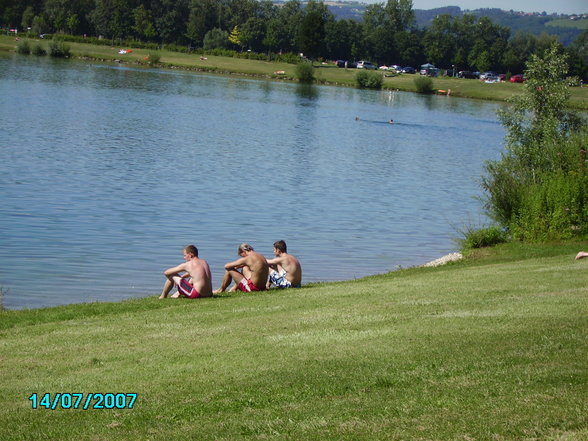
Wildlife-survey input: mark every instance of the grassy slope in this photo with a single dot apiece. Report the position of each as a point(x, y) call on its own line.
point(567, 23)
point(326, 74)
point(491, 348)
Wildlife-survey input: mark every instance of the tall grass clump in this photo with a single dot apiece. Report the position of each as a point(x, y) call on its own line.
point(473, 238)
point(23, 47)
point(539, 187)
point(369, 80)
point(39, 50)
point(304, 72)
point(424, 84)
point(153, 58)
point(58, 49)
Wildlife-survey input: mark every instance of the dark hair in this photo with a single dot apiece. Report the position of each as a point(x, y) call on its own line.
point(244, 247)
point(281, 245)
point(191, 249)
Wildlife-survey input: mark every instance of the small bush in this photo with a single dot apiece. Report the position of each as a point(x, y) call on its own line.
point(424, 84)
point(57, 48)
point(153, 58)
point(483, 237)
point(304, 72)
point(39, 50)
point(369, 80)
point(23, 47)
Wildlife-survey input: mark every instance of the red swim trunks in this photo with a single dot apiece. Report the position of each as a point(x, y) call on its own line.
point(186, 289)
point(247, 285)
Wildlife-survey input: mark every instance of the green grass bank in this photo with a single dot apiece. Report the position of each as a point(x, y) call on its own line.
point(325, 74)
point(490, 348)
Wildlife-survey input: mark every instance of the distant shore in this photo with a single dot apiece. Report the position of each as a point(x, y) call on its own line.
point(325, 73)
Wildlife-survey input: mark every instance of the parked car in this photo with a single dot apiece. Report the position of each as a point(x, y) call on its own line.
point(502, 77)
point(430, 72)
point(366, 65)
point(408, 70)
point(396, 68)
point(348, 64)
point(488, 74)
point(518, 78)
point(467, 74)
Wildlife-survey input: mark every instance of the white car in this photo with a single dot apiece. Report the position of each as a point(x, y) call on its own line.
point(366, 65)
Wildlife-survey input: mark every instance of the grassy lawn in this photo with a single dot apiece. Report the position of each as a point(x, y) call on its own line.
point(325, 74)
point(491, 348)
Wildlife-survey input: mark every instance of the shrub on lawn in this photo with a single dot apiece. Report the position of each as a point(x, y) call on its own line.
point(369, 80)
point(58, 49)
point(304, 72)
point(23, 47)
point(424, 85)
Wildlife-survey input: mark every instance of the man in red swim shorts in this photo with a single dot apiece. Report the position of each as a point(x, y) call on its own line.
point(195, 281)
point(253, 271)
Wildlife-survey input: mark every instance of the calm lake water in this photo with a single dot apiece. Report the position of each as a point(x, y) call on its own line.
point(106, 172)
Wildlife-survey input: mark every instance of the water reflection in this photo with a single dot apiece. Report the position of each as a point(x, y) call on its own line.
point(309, 92)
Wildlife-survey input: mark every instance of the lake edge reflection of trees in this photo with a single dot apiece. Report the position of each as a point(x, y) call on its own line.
point(387, 33)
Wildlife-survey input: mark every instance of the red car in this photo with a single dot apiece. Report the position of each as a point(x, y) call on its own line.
point(518, 78)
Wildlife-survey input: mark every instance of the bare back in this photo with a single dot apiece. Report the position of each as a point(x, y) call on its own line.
point(292, 267)
point(201, 276)
point(258, 267)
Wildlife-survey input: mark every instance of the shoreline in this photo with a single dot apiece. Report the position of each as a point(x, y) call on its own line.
point(325, 74)
point(443, 260)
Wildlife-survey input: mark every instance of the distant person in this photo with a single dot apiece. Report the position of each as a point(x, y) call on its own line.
point(249, 273)
point(391, 121)
point(194, 283)
point(581, 255)
point(285, 269)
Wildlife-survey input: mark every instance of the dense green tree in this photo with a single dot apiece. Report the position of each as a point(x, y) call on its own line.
point(400, 16)
point(311, 33)
point(252, 34)
point(170, 20)
point(143, 26)
point(290, 17)
point(216, 39)
point(202, 18)
point(578, 55)
point(440, 41)
point(39, 25)
point(340, 36)
point(410, 48)
point(27, 18)
point(378, 38)
point(490, 42)
point(275, 35)
point(113, 18)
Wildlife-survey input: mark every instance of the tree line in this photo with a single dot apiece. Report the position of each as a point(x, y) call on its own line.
point(387, 33)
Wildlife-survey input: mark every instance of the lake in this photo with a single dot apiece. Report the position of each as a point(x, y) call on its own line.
point(107, 171)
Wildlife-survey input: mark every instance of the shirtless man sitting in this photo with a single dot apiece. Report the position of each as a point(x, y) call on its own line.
point(253, 274)
point(194, 283)
point(285, 271)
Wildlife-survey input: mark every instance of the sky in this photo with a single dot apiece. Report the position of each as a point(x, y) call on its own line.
point(549, 6)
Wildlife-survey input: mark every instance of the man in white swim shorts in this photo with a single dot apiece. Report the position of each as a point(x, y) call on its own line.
point(285, 269)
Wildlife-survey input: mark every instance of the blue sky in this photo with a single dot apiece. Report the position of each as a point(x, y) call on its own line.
point(549, 6)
